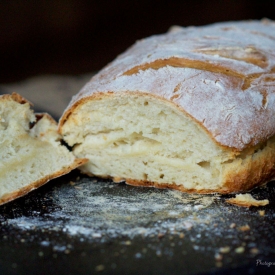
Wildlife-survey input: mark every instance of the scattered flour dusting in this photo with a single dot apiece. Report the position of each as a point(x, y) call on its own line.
point(95, 209)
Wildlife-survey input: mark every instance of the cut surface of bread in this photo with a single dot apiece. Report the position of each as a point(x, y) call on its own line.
point(30, 150)
point(191, 110)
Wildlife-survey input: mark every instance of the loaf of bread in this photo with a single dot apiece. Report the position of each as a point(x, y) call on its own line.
point(192, 110)
point(30, 150)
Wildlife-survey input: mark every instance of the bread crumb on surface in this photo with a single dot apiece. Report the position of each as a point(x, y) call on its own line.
point(254, 250)
point(225, 249)
point(100, 267)
point(232, 225)
point(239, 250)
point(247, 200)
point(218, 257)
point(244, 228)
point(261, 212)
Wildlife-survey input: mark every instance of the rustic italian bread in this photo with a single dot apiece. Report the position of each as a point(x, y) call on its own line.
point(30, 150)
point(192, 109)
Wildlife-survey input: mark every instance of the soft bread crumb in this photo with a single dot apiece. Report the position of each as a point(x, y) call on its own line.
point(30, 150)
point(149, 143)
point(247, 200)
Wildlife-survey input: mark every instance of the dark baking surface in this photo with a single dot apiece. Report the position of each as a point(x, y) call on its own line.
point(179, 245)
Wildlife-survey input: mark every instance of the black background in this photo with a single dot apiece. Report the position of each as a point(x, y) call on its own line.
point(80, 36)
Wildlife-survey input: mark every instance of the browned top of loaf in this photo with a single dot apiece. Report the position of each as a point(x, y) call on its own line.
point(15, 97)
point(222, 75)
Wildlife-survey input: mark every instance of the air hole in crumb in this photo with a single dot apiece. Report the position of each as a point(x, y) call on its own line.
point(145, 176)
point(204, 164)
point(228, 161)
point(155, 130)
point(242, 156)
point(120, 142)
point(161, 176)
point(145, 103)
point(31, 124)
point(144, 162)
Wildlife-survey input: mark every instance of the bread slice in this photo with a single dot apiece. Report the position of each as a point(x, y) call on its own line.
point(192, 110)
point(30, 150)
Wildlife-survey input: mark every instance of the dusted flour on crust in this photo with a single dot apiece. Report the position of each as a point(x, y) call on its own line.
point(192, 109)
point(30, 150)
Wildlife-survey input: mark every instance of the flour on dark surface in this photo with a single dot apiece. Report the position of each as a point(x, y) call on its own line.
point(106, 220)
point(94, 208)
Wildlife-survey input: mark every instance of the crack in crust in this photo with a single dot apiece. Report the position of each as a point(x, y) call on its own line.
point(204, 66)
point(185, 63)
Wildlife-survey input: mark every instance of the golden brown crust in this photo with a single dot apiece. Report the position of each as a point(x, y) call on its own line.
point(15, 97)
point(19, 98)
point(168, 186)
point(248, 180)
point(49, 117)
point(193, 190)
point(34, 185)
point(142, 183)
point(186, 63)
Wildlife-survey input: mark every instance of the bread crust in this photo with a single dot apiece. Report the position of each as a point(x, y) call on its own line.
point(15, 97)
